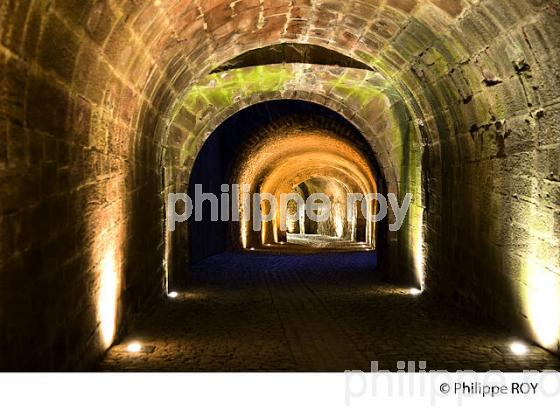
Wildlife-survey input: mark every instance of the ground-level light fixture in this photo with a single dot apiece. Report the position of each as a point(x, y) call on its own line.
point(518, 348)
point(172, 295)
point(134, 347)
point(415, 291)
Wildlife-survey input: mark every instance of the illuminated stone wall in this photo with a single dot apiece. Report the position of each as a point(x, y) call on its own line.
point(88, 101)
point(77, 252)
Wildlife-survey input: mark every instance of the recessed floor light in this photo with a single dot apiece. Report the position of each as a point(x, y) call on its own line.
point(414, 291)
point(173, 295)
point(137, 347)
point(518, 348)
point(134, 347)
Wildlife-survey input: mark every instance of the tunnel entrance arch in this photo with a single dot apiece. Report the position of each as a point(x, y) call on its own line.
point(232, 152)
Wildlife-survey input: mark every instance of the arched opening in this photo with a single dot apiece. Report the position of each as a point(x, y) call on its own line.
point(291, 154)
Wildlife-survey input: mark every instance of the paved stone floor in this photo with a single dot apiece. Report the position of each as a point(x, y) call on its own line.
point(323, 312)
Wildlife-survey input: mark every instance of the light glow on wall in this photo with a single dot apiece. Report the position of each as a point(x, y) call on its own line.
point(542, 298)
point(419, 259)
point(417, 226)
point(339, 226)
point(167, 241)
point(108, 293)
point(540, 279)
point(244, 233)
point(245, 214)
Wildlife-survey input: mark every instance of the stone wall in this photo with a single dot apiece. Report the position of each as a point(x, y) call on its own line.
point(78, 254)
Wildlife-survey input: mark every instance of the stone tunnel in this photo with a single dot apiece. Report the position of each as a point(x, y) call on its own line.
point(109, 107)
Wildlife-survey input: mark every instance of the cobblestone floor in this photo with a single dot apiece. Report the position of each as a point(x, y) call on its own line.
point(324, 312)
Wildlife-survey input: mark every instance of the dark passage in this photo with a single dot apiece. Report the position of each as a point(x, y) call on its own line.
point(320, 312)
